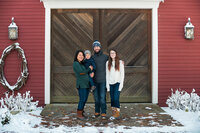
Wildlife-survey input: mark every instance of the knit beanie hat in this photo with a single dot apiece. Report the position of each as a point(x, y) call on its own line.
point(87, 52)
point(96, 43)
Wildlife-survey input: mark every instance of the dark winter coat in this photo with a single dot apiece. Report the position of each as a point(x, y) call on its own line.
point(100, 62)
point(82, 77)
point(90, 62)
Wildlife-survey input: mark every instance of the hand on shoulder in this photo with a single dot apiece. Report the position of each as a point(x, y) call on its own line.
point(122, 62)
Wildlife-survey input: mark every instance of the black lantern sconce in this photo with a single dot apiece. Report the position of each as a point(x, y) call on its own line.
point(189, 30)
point(13, 30)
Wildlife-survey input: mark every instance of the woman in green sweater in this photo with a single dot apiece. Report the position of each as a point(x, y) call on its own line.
point(82, 81)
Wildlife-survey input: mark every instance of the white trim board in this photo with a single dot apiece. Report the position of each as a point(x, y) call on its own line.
point(102, 4)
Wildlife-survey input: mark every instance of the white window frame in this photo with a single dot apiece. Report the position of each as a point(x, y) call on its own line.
point(102, 4)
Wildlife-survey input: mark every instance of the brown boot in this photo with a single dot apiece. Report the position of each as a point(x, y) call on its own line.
point(113, 110)
point(97, 114)
point(103, 116)
point(117, 113)
point(80, 114)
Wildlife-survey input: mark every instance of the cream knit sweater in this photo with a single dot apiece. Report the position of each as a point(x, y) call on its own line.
point(112, 76)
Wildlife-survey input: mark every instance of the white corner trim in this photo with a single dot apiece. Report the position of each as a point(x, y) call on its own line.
point(47, 55)
point(155, 55)
point(102, 4)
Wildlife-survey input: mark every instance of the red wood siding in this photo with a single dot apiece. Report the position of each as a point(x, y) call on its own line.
point(30, 18)
point(179, 59)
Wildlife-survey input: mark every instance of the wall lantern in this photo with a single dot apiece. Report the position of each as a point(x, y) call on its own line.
point(189, 30)
point(13, 30)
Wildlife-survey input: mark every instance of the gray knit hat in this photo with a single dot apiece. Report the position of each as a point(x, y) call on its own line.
point(87, 52)
point(96, 43)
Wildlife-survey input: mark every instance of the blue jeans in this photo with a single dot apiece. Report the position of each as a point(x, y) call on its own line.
point(114, 95)
point(91, 81)
point(83, 96)
point(100, 97)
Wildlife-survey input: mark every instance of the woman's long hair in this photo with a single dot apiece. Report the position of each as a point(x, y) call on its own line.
point(116, 61)
point(76, 55)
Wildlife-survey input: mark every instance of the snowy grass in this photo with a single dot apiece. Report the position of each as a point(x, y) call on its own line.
point(29, 122)
point(190, 120)
point(23, 122)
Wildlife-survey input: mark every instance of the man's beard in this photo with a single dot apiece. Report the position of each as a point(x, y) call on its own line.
point(97, 52)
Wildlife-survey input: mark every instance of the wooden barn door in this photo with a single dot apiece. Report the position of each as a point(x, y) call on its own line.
point(71, 30)
point(127, 31)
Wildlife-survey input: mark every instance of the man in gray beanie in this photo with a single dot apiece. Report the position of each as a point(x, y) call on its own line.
point(100, 80)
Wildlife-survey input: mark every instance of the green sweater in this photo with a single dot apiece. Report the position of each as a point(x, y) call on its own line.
point(82, 77)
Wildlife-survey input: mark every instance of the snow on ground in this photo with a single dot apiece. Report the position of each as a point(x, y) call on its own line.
point(29, 122)
point(190, 120)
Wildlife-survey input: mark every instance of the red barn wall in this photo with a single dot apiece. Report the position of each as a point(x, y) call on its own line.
point(30, 18)
point(178, 58)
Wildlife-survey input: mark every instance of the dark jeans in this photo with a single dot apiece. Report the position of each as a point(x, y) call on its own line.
point(83, 96)
point(114, 95)
point(91, 81)
point(100, 97)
